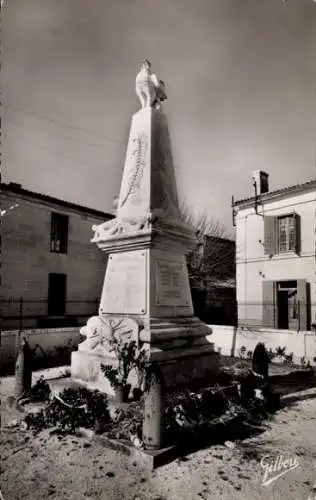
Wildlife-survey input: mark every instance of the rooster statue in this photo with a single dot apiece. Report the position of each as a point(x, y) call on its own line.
point(149, 89)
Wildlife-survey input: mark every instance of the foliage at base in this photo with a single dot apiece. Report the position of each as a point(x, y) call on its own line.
point(187, 413)
point(128, 357)
point(71, 409)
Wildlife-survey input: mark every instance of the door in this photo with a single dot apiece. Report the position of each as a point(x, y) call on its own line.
point(288, 315)
point(56, 294)
point(283, 310)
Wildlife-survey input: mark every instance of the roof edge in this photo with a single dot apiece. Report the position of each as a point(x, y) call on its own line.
point(17, 189)
point(271, 195)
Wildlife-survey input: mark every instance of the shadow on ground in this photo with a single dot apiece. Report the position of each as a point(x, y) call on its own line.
point(293, 382)
point(292, 400)
point(238, 430)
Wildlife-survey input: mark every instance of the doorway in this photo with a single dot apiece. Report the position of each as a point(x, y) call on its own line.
point(56, 294)
point(287, 305)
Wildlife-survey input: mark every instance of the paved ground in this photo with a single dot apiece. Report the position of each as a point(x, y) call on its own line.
point(81, 468)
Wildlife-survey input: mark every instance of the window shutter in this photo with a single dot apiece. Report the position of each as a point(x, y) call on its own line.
point(302, 306)
point(297, 219)
point(270, 235)
point(269, 309)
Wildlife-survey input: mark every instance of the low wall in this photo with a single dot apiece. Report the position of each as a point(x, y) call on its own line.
point(47, 341)
point(50, 341)
point(230, 338)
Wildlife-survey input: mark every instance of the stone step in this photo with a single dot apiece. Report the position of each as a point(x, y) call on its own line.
point(163, 329)
point(173, 343)
point(158, 355)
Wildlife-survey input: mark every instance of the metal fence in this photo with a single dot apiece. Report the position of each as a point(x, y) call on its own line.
point(299, 316)
point(21, 313)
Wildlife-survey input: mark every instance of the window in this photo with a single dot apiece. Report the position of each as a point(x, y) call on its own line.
point(287, 233)
point(59, 233)
point(282, 234)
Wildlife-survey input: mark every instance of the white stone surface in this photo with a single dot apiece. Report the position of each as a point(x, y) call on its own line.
point(149, 89)
point(125, 284)
point(101, 331)
point(147, 275)
point(171, 283)
point(134, 199)
point(170, 294)
point(148, 197)
point(86, 368)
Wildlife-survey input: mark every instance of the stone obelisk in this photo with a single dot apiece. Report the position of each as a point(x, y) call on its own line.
point(146, 294)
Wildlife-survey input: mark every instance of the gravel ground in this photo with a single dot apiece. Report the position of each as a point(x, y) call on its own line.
point(70, 468)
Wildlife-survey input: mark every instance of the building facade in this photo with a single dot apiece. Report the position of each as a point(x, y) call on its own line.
point(51, 275)
point(276, 256)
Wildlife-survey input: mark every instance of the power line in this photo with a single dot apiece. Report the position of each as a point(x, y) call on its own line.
point(39, 146)
point(88, 143)
point(49, 133)
point(19, 110)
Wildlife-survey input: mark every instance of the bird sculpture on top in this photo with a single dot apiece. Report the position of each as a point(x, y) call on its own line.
point(149, 89)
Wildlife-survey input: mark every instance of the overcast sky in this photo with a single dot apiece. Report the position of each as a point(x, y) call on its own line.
point(240, 77)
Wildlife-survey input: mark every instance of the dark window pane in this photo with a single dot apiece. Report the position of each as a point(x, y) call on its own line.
point(59, 233)
point(292, 233)
point(287, 233)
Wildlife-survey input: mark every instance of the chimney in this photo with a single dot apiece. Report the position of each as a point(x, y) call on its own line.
point(261, 179)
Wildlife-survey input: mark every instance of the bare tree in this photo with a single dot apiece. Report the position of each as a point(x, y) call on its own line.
point(214, 258)
point(203, 222)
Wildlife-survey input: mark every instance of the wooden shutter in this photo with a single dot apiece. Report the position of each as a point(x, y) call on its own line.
point(270, 235)
point(269, 304)
point(297, 219)
point(302, 304)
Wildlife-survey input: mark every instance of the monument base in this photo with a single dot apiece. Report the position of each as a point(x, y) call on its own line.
point(182, 349)
point(86, 370)
point(191, 367)
point(179, 345)
point(195, 371)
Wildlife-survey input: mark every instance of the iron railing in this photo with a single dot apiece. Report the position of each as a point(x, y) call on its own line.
point(21, 313)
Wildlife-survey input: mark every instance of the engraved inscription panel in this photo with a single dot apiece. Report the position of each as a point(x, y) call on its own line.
point(171, 286)
point(125, 284)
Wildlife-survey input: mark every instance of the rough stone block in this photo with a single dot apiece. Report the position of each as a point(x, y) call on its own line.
point(194, 371)
point(86, 369)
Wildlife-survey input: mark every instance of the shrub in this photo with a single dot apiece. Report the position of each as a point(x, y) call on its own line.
point(71, 409)
point(128, 357)
point(242, 351)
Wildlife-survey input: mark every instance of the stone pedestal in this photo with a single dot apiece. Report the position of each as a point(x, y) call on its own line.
point(86, 368)
point(146, 280)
